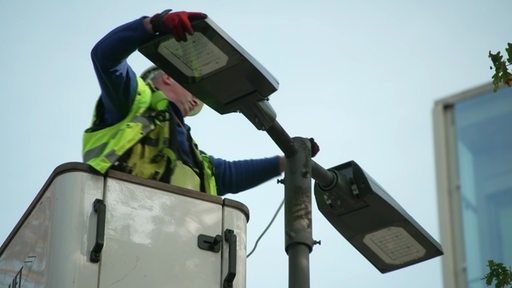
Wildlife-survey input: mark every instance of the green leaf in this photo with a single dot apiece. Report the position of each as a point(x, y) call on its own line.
point(496, 58)
point(498, 273)
point(501, 73)
point(509, 53)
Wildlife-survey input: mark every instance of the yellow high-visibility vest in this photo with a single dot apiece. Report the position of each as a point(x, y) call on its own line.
point(144, 134)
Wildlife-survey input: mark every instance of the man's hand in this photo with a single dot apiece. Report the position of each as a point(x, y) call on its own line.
point(176, 23)
point(314, 147)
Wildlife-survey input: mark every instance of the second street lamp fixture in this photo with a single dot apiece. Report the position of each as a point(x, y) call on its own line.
point(372, 221)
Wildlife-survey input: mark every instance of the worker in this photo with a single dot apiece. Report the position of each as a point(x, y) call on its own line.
point(138, 125)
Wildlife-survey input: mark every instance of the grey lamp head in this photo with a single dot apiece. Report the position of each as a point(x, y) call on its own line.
point(372, 221)
point(217, 70)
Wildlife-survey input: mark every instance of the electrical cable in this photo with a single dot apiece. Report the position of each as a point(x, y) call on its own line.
point(268, 226)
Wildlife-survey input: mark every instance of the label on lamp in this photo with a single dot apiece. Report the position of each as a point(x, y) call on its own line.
point(394, 245)
point(195, 57)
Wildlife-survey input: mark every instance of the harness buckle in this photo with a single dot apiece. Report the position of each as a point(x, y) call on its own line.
point(162, 116)
point(155, 175)
point(158, 157)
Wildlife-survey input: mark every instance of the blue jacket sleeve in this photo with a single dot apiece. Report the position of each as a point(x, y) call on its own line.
point(237, 176)
point(117, 80)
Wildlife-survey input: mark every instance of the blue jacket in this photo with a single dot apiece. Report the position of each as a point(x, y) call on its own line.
point(118, 83)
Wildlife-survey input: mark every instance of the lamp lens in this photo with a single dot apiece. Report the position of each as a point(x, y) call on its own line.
point(394, 245)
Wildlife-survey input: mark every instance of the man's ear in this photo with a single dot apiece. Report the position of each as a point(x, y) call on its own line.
point(166, 79)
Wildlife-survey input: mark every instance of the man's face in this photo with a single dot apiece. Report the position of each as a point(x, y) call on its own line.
point(185, 101)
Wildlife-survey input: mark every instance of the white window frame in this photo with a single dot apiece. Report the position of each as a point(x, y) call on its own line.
point(448, 186)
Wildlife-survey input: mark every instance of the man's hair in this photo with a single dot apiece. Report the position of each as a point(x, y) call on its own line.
point(151, 73)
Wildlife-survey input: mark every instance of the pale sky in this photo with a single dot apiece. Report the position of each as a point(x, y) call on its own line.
point(361, 77)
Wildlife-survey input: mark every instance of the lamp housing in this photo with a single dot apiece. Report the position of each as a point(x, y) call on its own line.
point(217, 70)
point(372, 221)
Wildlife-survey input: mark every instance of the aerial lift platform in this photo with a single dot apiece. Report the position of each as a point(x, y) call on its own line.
point(84, 229)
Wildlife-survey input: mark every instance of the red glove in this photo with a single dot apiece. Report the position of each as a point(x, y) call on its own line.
point(176, 23)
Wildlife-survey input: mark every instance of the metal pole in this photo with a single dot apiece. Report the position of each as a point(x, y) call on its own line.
point(324, 177)
point(298, 223)
point(299, 170)
point(282, 139)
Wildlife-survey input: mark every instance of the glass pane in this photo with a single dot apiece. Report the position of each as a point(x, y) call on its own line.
point(484, 142)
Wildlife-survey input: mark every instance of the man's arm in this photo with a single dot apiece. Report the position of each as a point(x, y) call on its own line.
point(237, 176)
point(117, 80)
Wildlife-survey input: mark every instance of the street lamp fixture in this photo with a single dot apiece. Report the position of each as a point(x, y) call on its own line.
point(217, 70)
point(372, 221)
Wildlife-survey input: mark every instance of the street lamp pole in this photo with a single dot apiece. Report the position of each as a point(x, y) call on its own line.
point(299, 170)
point(297, 207)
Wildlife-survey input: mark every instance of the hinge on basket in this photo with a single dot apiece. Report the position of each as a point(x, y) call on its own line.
point(209, 243)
